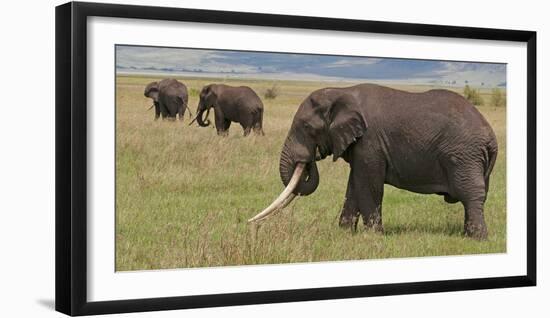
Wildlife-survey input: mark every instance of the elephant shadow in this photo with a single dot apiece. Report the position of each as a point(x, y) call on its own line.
point(444, 228)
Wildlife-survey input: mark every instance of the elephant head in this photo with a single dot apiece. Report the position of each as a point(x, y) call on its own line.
point(208, 98)
point(327, 122)
point(152, 91)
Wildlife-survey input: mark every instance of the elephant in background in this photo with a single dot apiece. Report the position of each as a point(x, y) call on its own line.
point(231, 104)
point(434, 142)
point(169, 98)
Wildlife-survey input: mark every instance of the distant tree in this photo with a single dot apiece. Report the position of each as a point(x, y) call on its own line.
point(498, 97)
point(194, 92)
point(467, 91)
point(272, 92)
point(472, 95)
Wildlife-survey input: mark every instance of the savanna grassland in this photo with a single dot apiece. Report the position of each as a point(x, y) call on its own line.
point(183, 194)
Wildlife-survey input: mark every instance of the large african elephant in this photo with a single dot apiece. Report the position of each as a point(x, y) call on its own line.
point(169, 98)
point(431, 142)
point(231, 104)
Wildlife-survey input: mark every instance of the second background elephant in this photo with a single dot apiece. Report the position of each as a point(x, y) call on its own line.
point(231, 104)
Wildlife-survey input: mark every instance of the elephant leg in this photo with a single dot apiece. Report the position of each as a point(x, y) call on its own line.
point(223, 128)
point(181, 112)
point(222, 123)
point(247, 124)
point(257, 124)
point(172, 106)
point(164, 111)
point(368, 186)
point(246, 131)
point(474, 221)
point(258, 130)
point(471, 192)
point(349, 216)
point(157, 111)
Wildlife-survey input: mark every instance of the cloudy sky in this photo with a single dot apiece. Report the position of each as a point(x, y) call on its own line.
point(304, 66)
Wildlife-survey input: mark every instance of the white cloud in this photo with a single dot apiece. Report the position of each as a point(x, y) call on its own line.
point(347, 62)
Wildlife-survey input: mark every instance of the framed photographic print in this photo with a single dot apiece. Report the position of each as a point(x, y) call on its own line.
point(208, 158)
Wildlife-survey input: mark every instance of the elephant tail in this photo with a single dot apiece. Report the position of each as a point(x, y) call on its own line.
point(184, 101)
point(189, 109)
point(492, 151)
point(259, 122)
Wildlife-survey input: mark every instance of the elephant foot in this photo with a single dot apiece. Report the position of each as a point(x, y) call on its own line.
point(373, 223)
point(259, 131)
point(376, 228)
point(348, 222)
point(474, 222)
point(477, 230)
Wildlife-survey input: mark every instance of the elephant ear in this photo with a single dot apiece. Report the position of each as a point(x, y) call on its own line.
point(211, 94)
point(152, 91)
point(347, 124)
point(213, 90)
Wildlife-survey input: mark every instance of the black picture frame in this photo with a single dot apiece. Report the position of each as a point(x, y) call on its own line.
point(71, 157)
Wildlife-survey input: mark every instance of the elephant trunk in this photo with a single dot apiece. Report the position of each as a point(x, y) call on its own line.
point(310, 178)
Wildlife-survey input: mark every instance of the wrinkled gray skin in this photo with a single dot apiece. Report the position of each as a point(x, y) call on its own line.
point(231, 104)
point(434, 142)
point(169, 98)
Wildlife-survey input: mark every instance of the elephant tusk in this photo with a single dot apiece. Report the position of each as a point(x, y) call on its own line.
point(284, 198)
point(198, 114)
point(151, 107)
point(317, 154)
point(288, 200)
point(206, 117)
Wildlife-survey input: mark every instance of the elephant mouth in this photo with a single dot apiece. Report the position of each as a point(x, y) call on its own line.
point(321, 153)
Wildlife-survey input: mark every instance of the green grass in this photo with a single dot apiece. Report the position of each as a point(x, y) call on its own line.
point(184, 194)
